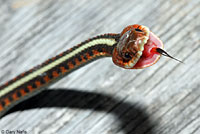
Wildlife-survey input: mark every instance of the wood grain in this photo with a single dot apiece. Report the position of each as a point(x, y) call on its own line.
point(101, 98)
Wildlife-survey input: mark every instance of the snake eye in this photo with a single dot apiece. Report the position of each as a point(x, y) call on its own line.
point(138, 30)
point(127, 56)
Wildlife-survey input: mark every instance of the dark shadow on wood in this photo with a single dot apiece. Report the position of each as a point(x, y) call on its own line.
point(133, 120)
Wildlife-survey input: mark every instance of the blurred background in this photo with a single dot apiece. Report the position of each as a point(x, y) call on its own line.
point(102, 98)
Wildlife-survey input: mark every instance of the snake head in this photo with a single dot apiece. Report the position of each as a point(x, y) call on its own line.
point(136, 48)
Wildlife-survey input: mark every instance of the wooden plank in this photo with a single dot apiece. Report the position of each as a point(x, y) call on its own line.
point(101, 98)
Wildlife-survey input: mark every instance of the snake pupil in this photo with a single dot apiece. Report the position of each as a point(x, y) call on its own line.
point(127, 56)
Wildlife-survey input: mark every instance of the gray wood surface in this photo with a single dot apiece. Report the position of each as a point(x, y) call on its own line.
point(102, 98)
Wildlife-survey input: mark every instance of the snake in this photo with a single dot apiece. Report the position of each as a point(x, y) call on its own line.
point(136, 47)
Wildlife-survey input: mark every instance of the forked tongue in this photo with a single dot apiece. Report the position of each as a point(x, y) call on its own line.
point(162, 52)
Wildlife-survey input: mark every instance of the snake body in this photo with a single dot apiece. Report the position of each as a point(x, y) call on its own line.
point(38, 78)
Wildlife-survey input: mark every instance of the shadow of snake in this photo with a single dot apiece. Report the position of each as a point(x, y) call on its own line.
point(128, 114)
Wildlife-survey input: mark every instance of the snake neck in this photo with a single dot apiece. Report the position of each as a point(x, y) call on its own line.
point(33, 81)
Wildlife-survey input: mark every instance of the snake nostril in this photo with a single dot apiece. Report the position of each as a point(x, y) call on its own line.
point(138, 30)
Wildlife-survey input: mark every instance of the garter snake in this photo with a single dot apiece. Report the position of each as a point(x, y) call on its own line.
point(135, 47)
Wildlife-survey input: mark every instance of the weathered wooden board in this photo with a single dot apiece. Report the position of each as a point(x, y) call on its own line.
point(102, 98)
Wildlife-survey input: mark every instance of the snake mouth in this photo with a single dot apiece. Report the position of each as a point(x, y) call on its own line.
point(149, 55)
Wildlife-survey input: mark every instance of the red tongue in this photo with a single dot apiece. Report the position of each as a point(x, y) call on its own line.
point(149, 55)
